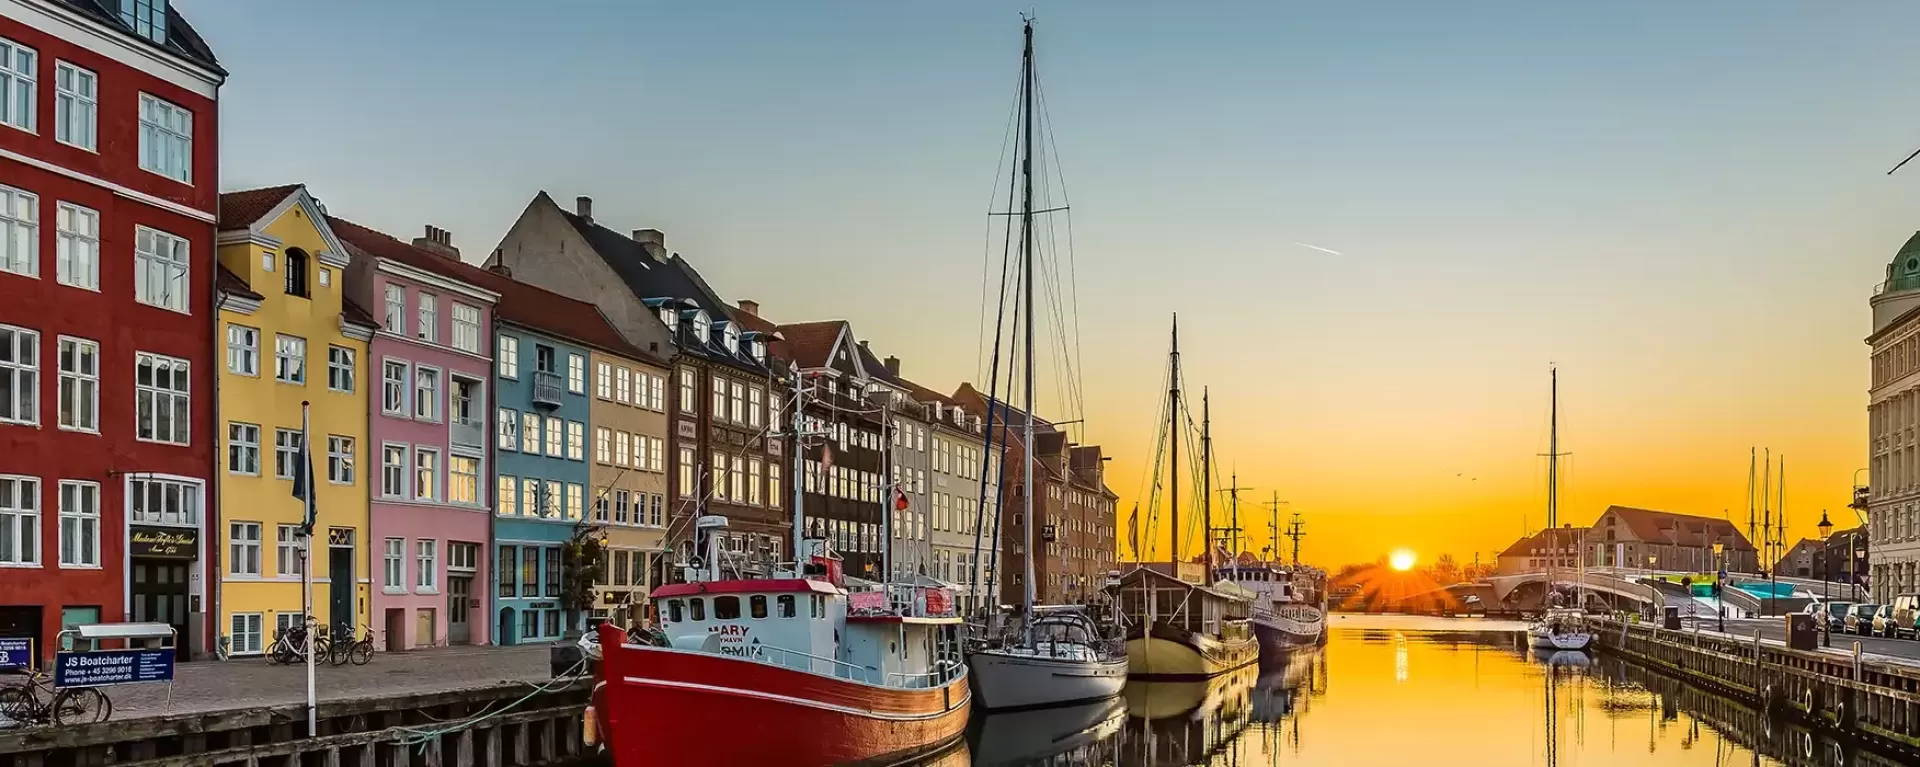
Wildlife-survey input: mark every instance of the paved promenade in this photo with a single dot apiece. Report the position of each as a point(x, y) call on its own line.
point(204, 686)
point(1880, 649)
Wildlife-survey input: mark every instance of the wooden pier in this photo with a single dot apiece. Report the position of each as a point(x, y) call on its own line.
point(486, 726)
point(1832, 691)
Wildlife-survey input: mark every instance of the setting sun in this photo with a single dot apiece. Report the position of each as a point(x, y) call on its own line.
point(1401, 559)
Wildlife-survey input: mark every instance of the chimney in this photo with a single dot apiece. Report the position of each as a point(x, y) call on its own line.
point(499, 264)
point(750, 307)
point(653, 241)
point(583, 207)
point(893, 366)
point(438, 241)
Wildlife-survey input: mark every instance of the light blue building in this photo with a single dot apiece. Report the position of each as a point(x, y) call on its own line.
point(541, 477)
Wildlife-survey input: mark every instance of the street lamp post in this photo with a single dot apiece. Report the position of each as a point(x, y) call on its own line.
point(1720, 585)
point(1826, 617)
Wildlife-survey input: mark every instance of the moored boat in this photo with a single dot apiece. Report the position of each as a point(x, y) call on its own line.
point(1060, 659)
point(1180, 630)
point(1280, 622)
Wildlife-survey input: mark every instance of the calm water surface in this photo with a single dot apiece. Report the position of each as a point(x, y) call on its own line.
point(1418, 692)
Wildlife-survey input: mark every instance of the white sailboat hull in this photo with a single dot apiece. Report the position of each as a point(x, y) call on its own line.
point(1572, 640)
point(1012, 679)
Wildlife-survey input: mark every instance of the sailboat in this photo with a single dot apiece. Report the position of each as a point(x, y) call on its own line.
point(1177, 629)
point(1560, 628)
point(1055, 655)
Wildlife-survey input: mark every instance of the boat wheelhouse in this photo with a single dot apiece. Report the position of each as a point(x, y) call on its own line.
point(1281, 621)
point(1180, 630)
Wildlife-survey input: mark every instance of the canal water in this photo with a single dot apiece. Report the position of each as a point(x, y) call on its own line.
point(1418, 692)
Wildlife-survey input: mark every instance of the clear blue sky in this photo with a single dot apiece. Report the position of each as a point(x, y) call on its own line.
point(1681, 203)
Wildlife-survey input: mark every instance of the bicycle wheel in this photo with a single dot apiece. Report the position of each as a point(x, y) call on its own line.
point(337, 652)
point(321, 648)
point(16, 703)
point(81, 705)
point(281, 653)
point(362, 652)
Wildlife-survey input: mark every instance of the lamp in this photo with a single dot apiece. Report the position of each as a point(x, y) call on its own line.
point(1719, 588)
point(1826, 526)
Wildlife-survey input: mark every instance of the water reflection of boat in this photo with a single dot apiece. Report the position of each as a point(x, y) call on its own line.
point(1564, 658)
point(1187, 722)
point(1074, 734)
point(1279, 683)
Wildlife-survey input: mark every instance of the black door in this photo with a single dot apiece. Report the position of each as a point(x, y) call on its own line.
point(23, 621)
point(340, 587)
point(160, 595)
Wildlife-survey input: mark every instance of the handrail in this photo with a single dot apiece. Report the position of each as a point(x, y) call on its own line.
point(867, 671)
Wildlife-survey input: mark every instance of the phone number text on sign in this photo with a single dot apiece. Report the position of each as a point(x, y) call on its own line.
point(108, 667)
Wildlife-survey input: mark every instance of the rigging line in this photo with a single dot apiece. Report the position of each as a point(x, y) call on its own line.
point(1073, 274)
point(986, 247)
point(1067, 384)
point(995, 402)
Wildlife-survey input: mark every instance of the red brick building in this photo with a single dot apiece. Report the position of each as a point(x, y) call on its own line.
point(108, 198)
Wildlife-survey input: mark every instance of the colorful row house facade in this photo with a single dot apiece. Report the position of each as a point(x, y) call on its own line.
point(292, 372)
point(108, 202)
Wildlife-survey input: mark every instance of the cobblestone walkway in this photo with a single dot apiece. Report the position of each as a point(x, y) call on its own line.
point(213, 686)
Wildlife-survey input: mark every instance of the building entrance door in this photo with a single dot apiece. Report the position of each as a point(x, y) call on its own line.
point(340, 582)
point(159, 592)
point(459, 629)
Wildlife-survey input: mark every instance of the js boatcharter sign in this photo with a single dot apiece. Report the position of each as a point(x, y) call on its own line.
point(110, 667)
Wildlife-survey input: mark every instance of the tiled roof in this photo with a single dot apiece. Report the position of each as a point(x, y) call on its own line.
point(1526, 545)
point(1680, 529)
point(239, 210)
point(356, 314)
point(231, 284)
point(923, 394)
point(808, 343)
point(977, 401)
point(182, 40)
point(519, 303)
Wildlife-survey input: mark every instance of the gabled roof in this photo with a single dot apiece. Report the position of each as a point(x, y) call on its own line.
point(182, 40)
point(1679, 529)
point(242, 209)
point(356, 314)
point(1527, 545)
point(810, 344)
point(231, 284)
point(519, 303)
point(978, 401)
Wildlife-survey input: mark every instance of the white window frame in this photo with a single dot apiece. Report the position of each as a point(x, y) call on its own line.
point(243, 350)
point(428, 308)
point(426, 392)
point(555, 433)
point(77, 246)
point(21, 520)
point(394, 320)
point(426, 566)
point(530, 422)
point(19, 231)
point(340, 361)
point(79, 510)
point(508, 428)
point(243, 448)
point(603, 381)
point(426, 464)
point(576, 441)
point(245, 634)
point(506, 494)
point(340, 459)
point(163, 264)
point(80, 385)
point(179, 370)
point(166, 139)
point(466, 328)
point(576, 374)
point(21, 365)
point(18, 67)
point(602, 445)
point(243, 539)
point(508, 356)
point(289, 359)
point(456, 483)
point(401, 389)
point(288, 546)
point(394, 567)
point(76, 105)
point(395, 477)
point(286, 453)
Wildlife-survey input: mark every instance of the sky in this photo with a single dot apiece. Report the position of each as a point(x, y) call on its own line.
point(1682, 206)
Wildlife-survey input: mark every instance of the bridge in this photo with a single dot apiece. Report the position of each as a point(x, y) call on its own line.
point(1638, 588)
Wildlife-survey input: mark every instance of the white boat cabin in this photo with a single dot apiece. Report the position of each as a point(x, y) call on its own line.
point(898, 636)
point(1272, 585)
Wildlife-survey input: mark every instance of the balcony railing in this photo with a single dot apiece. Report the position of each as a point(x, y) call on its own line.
point(546, 388)
point(469, 434)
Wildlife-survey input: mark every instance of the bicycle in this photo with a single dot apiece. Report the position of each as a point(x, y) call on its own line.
point(290, 646)
point(37, 703)
point(359, 651)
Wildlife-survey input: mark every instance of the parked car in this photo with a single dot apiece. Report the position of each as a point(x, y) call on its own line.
point(1882, 621)
point(1834, 615)
point(1902, 615)
point(1859, 619)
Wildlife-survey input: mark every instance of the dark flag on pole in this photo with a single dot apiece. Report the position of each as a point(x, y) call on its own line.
point(303, 474)
point(1133, 530)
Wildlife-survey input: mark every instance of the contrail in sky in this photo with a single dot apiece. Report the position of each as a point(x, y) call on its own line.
point(1318, 248)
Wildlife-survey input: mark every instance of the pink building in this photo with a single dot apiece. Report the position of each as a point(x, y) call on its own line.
point(431, 521)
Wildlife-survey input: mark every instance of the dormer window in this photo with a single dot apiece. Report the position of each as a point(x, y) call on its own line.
point(147, 18)
point(732, 334)
point(760, 351)
point(701, 326)
point(670, 317)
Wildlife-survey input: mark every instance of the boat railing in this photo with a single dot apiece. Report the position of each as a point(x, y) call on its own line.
point(943, 672)
point(842, 669)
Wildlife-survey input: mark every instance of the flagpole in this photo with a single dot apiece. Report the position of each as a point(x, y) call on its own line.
point(306, 571)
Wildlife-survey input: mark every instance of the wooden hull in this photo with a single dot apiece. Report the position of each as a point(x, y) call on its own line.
point(1163, 652)
point(664, 707)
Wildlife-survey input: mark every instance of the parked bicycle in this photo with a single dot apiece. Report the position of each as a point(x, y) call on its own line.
point(36, 702)
point(290, 646)
point(347, 648)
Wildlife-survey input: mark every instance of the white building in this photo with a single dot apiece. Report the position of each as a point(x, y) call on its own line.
point(1893, 414)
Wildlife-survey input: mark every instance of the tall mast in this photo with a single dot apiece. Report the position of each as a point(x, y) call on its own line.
point(1766, 513)
point(799, 476)
point(1206, 481)
point(1752, 536)
point(1026, 288)
point(1173, 434)
point(1553, 456)
point(1273, 528)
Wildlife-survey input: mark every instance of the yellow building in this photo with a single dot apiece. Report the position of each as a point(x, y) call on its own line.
point(629, 418)
point(289, 337)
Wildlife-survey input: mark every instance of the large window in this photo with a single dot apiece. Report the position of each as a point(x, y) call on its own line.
point(576, 374)
point(688, 486)
point(606, 386)
point(552, 555)
point(429, 327)
point(689, 391)
point(245, 636)
point(393, 471)
point(289, 359)
point(506, 496)
point(556, 501)
point(243, 350)
point(19, 232)
point(297, 268)
point(160, 269)
point(719, 475)
point(393, 387)
point(243, 548)
point(75, 102)
point(289, 549)
point(428, 564)
point(426, 473)
point(395, 319)
point(753, 481)
point(19, 520)
point(773, 484)
point(161, 399)
point(147, 18)
point(740, 404)
point(17, 66)
point(340, 369)
point(576, 501)
point(243, 448)
point(78, 246)
point(509, 429)
point(466, 328)
point(576, 441)
point(719, 398)
point(602, 444)
point(530, 432)
point(166, 139)
point(339, 459)
point(394, 574)
point(509, 351)
point(509, 571)
point(79, 385)
point(165, 501)
point(286, 453)
point(426, 394)
point(463, 479)
point(556, 431)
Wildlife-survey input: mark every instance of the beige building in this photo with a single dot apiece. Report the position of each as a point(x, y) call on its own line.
point(1547, 548)
point(1633, 539)
point(629, 480)
point(1893, 428)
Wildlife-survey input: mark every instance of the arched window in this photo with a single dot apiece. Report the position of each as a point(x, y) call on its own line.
point(296, 272)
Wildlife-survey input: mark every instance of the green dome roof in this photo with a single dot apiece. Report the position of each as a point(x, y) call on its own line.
point(1904, 272)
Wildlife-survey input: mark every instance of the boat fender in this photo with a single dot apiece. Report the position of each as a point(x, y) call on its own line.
point(1806, 744)
point(589, 729)
point(1808, 701)
point(1770, 700)
point(1842, 713)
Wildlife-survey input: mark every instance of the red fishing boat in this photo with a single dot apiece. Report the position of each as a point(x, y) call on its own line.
point(793, 671)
